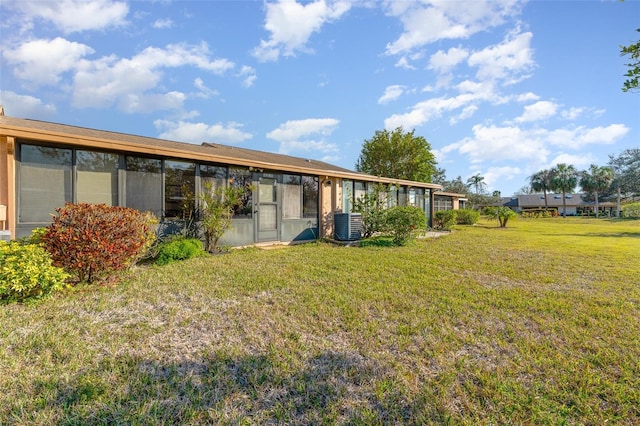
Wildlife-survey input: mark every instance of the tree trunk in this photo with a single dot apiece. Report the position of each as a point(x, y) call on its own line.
point(564, 204)
point(597, 207)
point(546, 204)
point(618, 204)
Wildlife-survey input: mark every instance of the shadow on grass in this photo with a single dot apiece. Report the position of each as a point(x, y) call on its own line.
point(601, 234)
point(329, 388)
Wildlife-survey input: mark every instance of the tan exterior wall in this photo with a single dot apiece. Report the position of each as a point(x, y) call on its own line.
point(8, 182)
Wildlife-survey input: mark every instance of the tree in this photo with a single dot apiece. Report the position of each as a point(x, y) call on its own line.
point(502, 214)
point(541, 181)
point(633, 51)
point(372, 206)
point(626, 167)
point(456, 185)
point(439, 177)
point(597, 179)
point(476, 181)
point(216, 211)
point(564, 178)
point(397, 154)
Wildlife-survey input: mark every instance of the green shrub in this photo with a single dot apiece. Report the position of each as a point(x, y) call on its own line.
point(27, 273)
point(179, 249)
point(92, 241)
point(372, 206)
point(445, 220)
point(631, 211)
point(402, 222)
point(467, 216)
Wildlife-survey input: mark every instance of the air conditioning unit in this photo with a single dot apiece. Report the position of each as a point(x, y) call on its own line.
point(347, 226)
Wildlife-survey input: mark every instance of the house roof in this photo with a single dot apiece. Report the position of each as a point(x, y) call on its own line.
point(207, 151)
point(553, 200)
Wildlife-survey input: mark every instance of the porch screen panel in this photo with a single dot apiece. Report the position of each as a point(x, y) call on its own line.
point(291, 197)
point(359, 190)
point(179, 189)
point(216, 176)
point(97, 177)
point(402, 196)
point(45, 182)
point(144, 184)
point(241, 178)
point(310, 196)
point(347, 195)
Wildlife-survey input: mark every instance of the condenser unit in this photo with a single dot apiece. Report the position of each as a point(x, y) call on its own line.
point(347, 226)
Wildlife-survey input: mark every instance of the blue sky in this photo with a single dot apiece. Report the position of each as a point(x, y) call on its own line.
point(502, 88)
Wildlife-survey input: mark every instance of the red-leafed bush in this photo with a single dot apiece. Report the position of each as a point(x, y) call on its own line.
point(92, 241)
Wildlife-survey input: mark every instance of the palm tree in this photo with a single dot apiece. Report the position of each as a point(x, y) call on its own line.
point(564, 178)
point(541, 181)
point(596, 179)
point(476, 182)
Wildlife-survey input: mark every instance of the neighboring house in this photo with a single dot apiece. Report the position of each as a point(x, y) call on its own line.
point(449, 201)
point(43, 165)
point(576, 206)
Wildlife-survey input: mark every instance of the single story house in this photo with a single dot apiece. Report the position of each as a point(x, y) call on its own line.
point(43, 165)
point(576, 206)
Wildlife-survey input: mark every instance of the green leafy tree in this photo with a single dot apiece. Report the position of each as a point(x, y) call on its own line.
point(633, 73)
point(596, 180)
point(476, 181)
point(216, 211)
point(626, 168)
point(541, 182)
point(564, 178)
point(456, 185)
point(397, 154)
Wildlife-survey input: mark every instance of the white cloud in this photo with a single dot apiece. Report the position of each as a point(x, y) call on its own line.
point(422, 112)
point(467, 112)
point(430, 21)
point(102, 82)
point(182, 131)
point(18, 105)
point(141, 102)
point(391, 93)
point(538, 111)
point(163, 23)
point(203, 91)
point(291, 24)
point(578, 161)
point(495, 176)
point(509, 61)
point(71, 16)
point(305, 135)
point(443, 62)
point(404, 63)
point(42, 62)
point(572, 113)
point(249, 75)
point(526, 97)
point(577, 137)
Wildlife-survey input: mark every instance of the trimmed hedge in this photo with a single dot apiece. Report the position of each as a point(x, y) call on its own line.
point(92, 241)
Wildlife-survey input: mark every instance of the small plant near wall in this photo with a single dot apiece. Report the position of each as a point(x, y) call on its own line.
point(216, 211)
point(404, 222)
point(467, 216)
point(179, 248)
point(92, 241)
point(372, 207)
point(27, 273)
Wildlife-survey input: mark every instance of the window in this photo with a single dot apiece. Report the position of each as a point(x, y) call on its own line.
point(45, 182)
point(241, 178)
point(214, 175)
point(310, 196)
point(97, 177)
point(179, 189)
point(347, 194)
point(143, 187)
point(393, 196)
point(402, 196)
point(359, 190)
point(291, 197)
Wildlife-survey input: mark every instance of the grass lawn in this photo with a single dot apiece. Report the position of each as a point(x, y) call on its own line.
point(538, 323)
